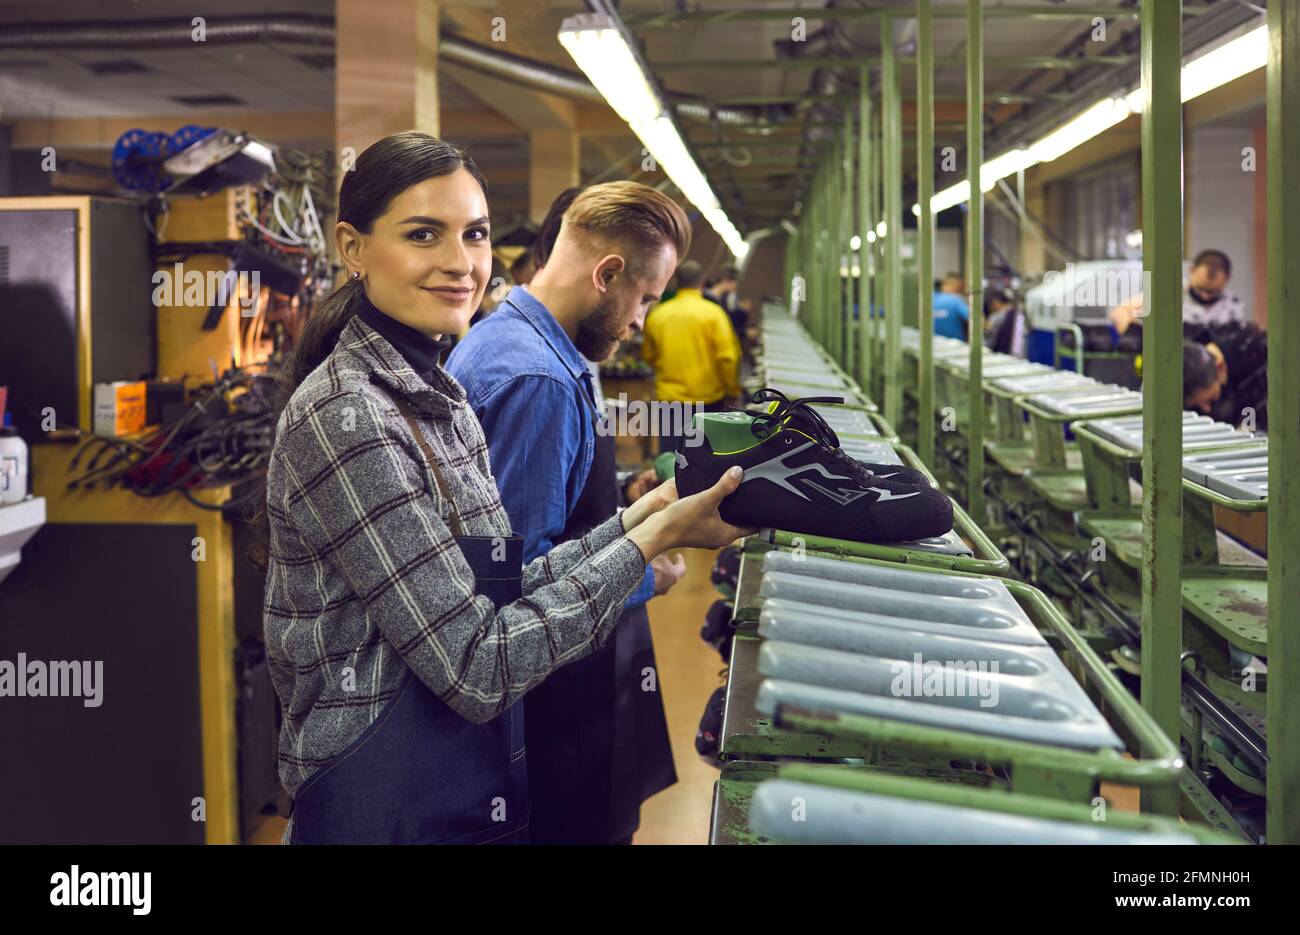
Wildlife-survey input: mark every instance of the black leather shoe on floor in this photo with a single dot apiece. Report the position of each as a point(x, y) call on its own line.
point(797, 479)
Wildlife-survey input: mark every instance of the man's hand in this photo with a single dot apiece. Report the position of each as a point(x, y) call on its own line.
point(669, 569)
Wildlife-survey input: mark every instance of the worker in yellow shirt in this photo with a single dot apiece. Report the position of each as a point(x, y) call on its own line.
point(693, 348)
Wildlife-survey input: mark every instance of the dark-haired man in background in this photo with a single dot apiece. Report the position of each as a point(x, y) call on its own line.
point(1207, 300)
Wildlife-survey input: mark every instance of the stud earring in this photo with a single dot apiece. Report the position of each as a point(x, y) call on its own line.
point(356, 274)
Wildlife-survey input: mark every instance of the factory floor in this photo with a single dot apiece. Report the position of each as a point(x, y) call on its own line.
point(689, 671)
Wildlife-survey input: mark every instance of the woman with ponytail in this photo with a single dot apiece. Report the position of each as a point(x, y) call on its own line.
point(401, 626)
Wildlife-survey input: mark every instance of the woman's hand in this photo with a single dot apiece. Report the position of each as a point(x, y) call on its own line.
point(690, 522)
point(649, 504)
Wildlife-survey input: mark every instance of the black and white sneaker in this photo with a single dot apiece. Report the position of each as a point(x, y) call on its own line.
point(797, 479)
point(799, 413)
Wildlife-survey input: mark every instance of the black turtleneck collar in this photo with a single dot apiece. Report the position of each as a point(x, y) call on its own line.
point(417, 349)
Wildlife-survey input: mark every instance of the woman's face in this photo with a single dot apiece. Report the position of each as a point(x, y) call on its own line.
point(428, 258)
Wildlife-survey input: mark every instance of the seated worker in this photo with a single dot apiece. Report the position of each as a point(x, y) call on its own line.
point(1203, 377)
point(1207, 300)
point(951, 313)
point(597, 740)
point(1006, 329)
point(1240, 351)
point(693, 348)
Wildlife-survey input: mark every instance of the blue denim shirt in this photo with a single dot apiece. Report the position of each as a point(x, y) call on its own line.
point(531, 391)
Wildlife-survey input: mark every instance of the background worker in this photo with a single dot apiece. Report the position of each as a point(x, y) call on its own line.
point(692, 346)
point(1006, 329)
point(1207, 300)
point(951, 313)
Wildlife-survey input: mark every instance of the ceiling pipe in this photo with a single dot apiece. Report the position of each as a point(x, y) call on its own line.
point(319, 31)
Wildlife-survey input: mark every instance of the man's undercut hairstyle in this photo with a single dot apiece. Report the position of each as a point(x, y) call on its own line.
point(630, 215)
point(689, 275)
point(1216, 260)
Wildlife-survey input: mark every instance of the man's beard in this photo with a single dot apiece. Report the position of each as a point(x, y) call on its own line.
point(599, 334)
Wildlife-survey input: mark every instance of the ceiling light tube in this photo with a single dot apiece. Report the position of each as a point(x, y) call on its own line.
point(601, 49)
point(1229, 61)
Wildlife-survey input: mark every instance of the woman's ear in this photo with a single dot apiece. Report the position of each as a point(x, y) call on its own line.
point(348, 240)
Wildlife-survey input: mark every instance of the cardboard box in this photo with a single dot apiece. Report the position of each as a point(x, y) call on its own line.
point(119, 407)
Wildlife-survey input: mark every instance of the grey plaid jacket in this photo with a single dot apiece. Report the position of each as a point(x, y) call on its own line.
point(365, 579)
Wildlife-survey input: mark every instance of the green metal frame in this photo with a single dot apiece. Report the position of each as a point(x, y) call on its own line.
point(875, 361)
point(1036, 768)
point(892, 129)
point(975, 244)
point(991, 800)
point(925, 227)
point(1162, 364)
point(1047, 432)
point(1284, 437)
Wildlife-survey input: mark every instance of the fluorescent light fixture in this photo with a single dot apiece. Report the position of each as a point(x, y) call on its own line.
point(601, 50)
point(954, 195)
point(882, 229)
point(1094, 121)
point(871, 236)
point(1229, 61)
point(1002, 166)
point(855, 242)
point(1236, 57)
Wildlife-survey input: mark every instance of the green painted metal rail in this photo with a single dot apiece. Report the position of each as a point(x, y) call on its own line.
point(1037, 768)
point(893, 399)
point(990, 800)
point(975, 244)
point(1284, 414)
point(1162, 334)
point(925, 225)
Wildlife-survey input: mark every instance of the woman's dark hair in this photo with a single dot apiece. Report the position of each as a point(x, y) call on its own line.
point(382, 172)
point(1200, 369)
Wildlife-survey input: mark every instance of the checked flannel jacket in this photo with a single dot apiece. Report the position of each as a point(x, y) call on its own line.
point(365, 575)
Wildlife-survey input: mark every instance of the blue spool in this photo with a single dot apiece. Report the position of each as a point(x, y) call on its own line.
point(188, 135)
point(137, 159)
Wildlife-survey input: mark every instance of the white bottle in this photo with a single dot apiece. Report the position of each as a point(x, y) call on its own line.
point(13, 465)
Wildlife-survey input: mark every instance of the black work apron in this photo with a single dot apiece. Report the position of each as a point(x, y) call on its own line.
point(597, 743)
point(421, 773)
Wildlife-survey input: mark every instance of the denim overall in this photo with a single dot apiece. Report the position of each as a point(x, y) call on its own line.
point(421, 773)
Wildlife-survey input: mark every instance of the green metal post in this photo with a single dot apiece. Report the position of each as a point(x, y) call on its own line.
point(975, 252)
point(818, 304)
point(1284, 425)
point(1162, 363)
point(877, 255)
point(864, 224)
point(829, 262)
point(805, 271)
point(845, 202)
point(925, 230)
point(893, 180)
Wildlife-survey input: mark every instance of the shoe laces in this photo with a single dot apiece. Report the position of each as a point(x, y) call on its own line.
point(813, 425)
